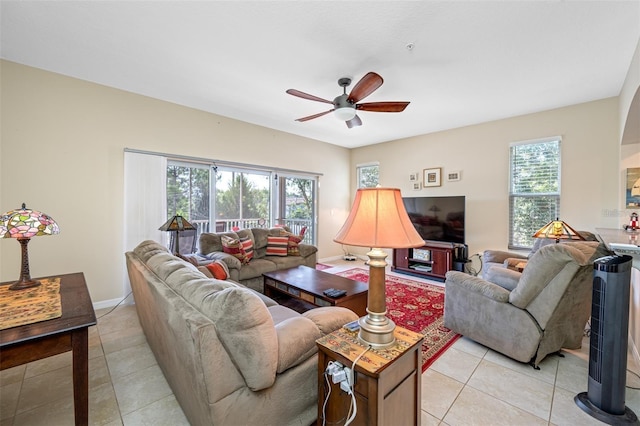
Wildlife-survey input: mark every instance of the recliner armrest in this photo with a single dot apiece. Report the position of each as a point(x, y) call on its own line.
point(477, 285)
point(498, 256)
point(505, 278)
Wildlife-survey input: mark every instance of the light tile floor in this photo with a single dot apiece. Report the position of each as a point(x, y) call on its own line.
point(468, 385)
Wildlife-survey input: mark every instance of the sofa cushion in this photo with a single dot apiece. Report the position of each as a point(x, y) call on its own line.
point(256, 268)
point(277, 246)
point(286, 262)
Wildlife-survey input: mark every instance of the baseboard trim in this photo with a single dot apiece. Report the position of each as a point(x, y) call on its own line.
point(111, 303)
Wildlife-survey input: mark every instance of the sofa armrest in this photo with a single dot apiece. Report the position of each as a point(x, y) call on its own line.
point(330, 318)
point(498, 256)
point(296, 341)
point(307, 249)
point(476, 285)
point(231, 261)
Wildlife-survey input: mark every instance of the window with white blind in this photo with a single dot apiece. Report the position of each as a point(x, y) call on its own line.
point(534, 188)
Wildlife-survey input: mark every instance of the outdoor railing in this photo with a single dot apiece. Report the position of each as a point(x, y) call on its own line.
point(227, 225)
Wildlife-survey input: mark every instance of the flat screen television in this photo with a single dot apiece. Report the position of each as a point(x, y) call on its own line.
point(437, 218)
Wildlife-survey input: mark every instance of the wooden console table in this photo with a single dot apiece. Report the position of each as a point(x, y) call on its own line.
point(31, 342)
point(387, 381)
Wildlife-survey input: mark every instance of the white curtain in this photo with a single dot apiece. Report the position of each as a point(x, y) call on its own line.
point(145, 200)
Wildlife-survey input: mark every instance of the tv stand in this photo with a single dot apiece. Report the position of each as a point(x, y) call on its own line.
point(433, 260)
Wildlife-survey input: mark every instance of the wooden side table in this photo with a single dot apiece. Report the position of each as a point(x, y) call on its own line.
point(387, 381)
point(31, 342)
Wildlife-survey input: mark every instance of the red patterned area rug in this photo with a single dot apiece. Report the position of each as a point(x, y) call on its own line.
point(418, 307)
point(322, 266)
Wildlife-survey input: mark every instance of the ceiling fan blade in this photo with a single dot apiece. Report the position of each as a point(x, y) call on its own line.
point(303, 95)
point(311, 117)
point(354, 122)
point(366, 86)
point(382, 106)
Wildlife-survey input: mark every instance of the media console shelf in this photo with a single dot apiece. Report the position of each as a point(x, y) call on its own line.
point(432, 260)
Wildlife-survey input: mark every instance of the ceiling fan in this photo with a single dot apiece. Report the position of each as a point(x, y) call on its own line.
point(345, 106)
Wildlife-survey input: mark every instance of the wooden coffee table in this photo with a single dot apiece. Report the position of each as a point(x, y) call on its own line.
point(305, 286)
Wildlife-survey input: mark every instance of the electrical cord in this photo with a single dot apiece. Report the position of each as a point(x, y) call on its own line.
point(326, 399)
point(352, 373)
point(114, 308)
point(470, 269)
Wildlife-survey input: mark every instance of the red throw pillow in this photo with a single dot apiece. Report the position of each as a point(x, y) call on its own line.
point(218, 270)
point(292, 245)
point(233, 247)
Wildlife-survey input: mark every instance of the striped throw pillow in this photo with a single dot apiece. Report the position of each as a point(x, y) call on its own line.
point(247, 246)
point(233, 246)
point(277, 246)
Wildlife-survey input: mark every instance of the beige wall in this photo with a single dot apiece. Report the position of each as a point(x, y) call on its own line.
point(77, 132)
point(61, 152)
point(590, 164)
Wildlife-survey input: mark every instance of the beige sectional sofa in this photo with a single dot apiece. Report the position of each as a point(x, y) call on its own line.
point(230, 355)
point(250, 274)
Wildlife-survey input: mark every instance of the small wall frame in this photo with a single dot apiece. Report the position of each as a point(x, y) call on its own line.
point(431, 177)
point(454, 176)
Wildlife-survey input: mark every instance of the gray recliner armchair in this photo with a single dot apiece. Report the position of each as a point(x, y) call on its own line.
point(527, 315)
point(517, 261)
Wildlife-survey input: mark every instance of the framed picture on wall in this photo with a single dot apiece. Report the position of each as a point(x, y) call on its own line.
point(431, 177)
point(413, 177)
point(453, 176)
point(417, 186)
point(633, 188)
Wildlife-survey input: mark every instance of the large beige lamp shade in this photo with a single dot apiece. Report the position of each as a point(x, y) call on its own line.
point(378, 220)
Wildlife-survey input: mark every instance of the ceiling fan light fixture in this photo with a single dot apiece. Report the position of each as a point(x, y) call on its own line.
point(345, 113)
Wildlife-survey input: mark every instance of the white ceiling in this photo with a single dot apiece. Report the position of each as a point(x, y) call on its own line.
point(472, 61)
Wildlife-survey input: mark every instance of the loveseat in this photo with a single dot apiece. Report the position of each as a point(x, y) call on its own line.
point(249, 273)
point(231, 355)
point(527, 315)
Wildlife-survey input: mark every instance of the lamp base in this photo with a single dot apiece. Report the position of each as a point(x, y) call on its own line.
point(22, 283)
point(376, 331)
point(375, 328)
point(25, 280)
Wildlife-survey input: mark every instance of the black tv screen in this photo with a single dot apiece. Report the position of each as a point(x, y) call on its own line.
point(437, 218)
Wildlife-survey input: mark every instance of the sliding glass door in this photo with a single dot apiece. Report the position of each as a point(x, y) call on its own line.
point(297, 204)
point(220, 198)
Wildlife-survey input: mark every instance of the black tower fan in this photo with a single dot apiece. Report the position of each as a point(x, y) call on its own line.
point(608, 345)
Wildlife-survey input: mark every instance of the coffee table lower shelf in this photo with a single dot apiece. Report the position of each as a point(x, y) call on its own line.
point(301, 289)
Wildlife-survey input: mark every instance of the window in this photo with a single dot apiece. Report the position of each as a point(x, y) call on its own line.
point(219, 198)
point(242, 199)
point(368, 175)
point(534, 188)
